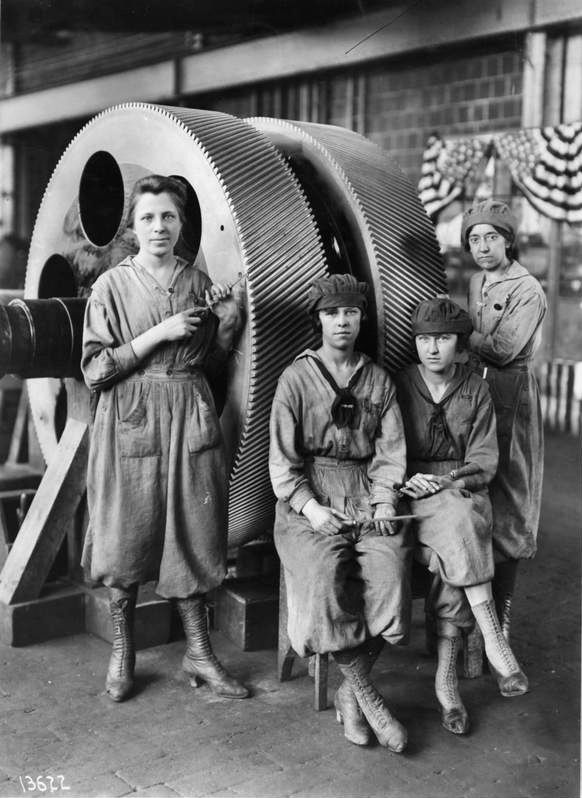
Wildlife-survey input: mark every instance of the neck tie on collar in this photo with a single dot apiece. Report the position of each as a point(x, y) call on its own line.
point(345, 407)
point(441, 442)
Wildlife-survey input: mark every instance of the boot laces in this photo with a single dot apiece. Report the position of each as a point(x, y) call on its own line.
point(448, 682)
point(121, 640)
point(496, 638)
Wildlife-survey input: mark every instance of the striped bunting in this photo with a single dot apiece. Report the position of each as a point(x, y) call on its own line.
point(445, 167)
point(546, 164)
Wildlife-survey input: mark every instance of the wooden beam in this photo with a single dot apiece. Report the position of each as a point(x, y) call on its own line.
point(20, 429)
point(87, 97)
point(389, 32)
point(48, 519)
point(4, 537)
point(553, 289)
point(572, 106)
point(533, 80)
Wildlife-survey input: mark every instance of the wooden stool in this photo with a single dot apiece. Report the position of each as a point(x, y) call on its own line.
point(318, 664)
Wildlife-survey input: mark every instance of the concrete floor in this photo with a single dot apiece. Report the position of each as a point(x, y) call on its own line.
point(171, 740)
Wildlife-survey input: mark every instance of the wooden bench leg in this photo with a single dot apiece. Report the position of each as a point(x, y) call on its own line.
point(285, 653)
point(318, 663)
point(321, 668)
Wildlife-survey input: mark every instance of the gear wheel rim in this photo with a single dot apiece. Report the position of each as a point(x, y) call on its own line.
point(266, 206)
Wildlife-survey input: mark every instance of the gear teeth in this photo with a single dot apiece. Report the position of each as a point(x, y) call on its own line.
point(406, 266)
point(281, 254)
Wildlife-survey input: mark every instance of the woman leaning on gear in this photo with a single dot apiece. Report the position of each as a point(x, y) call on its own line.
point(157, 482)
point(507, 307)
point(337, 451)
point(452, 454)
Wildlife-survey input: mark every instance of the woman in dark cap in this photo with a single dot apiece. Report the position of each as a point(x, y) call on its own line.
point(507, 306)
point(449, 423)
point(337, 451)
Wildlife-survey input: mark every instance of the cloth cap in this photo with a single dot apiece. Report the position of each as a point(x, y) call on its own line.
point(440, 315)
point(491, 212)
point(338, 291)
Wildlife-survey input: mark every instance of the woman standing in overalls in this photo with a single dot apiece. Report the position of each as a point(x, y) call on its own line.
point(155, 326)
point(507, 306)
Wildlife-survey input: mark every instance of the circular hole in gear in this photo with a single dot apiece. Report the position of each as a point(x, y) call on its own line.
point(189, 242)
point(57, 279)
point(101, 198)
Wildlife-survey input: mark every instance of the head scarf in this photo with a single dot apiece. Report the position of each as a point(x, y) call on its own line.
point(440, 315)
point(491, 212)
point(338, 291)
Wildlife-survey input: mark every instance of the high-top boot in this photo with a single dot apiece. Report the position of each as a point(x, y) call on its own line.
point(503, 590)
point(454, 717)
point(119, 682)
point(510, 678)
point(347, 709)
point(390, 733)
point(199, 661)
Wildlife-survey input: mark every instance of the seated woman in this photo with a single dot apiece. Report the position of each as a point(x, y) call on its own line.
point(449, 423)
point(337, 450)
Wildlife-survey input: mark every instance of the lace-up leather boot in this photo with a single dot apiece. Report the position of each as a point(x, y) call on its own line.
point(347, 709)
point(119, 682)
point(454, 717)
point(503, 590)
point(511, 679)
point(389, 732)
point(199, 661)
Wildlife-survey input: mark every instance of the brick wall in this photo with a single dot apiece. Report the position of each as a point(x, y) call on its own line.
point(460, 94)
point(398, 104)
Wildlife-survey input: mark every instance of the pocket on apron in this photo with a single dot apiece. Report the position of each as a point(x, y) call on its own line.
point(204, 427)
point(137, 422)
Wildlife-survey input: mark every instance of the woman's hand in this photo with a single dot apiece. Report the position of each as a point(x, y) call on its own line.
point(181, 325)
point(224, 305)
point(446, 482)
point(325, 520)
point(421, 485)
point(384, 527)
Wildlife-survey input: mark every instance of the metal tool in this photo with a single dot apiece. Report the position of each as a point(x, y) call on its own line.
point(230, 286)
point(383, 518)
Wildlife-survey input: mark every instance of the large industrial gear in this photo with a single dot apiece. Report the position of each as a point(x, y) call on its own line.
point(282, 203)
point(371, 223)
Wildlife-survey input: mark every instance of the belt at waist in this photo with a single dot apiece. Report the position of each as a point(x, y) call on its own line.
point(512, 368)
point(334, 462)
point(167, 373)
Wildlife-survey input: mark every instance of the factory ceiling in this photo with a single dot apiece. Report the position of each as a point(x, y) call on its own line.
point(30, 20)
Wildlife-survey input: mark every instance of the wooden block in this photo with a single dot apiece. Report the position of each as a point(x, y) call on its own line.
point(256, 559)
point(48, 519)
point(58, 612)
point(153, 617)
point(246, 613)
